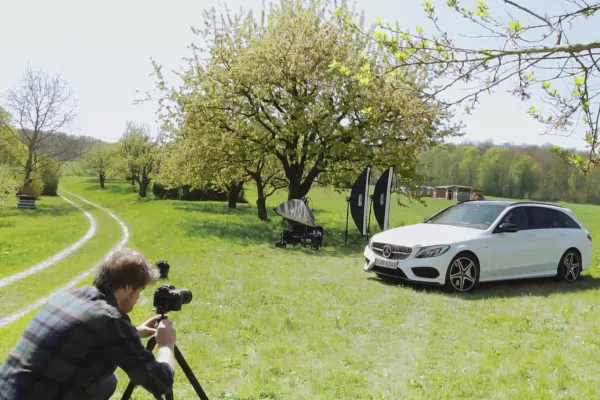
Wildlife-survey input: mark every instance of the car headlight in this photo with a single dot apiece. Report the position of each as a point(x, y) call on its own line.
point(432, 251)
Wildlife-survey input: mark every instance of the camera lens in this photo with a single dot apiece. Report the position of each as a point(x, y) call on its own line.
point(186, 296)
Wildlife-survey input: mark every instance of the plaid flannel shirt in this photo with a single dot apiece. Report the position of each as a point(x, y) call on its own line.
point(74, 342)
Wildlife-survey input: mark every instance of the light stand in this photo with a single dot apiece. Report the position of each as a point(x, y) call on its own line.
point(184, 366)
point(347, 218)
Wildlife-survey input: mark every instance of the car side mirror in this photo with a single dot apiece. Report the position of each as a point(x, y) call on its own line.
point(507, 227)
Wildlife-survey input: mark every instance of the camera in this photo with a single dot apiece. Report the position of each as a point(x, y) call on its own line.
point(167, 298)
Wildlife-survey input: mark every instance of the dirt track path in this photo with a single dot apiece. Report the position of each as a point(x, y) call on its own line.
point(58, 256)
point(124, 238)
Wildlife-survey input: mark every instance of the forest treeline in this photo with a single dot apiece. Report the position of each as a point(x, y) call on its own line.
point(513, 171)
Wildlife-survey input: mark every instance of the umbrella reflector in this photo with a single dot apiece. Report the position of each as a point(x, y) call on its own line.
point(296, 210)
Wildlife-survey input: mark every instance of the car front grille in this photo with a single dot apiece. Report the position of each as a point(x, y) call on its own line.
point(398, 252)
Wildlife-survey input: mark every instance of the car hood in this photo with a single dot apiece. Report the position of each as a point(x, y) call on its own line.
point(426, 235)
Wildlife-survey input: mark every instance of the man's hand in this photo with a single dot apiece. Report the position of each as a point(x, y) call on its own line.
point(165, 333)
point(149, 327)
point(165, 338)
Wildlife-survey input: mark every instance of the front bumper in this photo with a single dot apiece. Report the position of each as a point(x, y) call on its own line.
point(425, 270)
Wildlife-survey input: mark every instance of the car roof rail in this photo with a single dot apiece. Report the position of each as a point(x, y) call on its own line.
point(537, 203)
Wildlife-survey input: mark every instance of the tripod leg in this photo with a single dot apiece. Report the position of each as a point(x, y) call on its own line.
point(190, 375)
point(131, 385)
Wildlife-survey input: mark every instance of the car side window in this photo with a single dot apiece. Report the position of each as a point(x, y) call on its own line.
point(562, 220)
point(517, 216)
point(539, 218)
point(548, 218)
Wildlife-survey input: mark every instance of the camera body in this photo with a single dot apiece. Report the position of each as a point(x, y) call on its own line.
point(167, 298)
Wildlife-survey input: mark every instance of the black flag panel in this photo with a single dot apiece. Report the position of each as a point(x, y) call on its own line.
point(359, 200)
point(381, 198)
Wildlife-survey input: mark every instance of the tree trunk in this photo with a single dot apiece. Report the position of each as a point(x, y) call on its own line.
point(297, 188)
point(28, 171)
point(233, 193)
point(261, 201)
point(261, 206)
point(144, 183)
point(102, 178)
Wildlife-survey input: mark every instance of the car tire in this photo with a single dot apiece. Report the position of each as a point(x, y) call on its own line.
point(462, 274)
point(569, 267)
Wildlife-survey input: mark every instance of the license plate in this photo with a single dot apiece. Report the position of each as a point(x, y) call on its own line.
point(386, 263)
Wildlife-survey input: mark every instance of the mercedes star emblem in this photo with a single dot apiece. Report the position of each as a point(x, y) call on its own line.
point(387, 251)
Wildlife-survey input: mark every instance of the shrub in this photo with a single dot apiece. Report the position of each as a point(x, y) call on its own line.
point(196, 194)
point(9, 185)
point(50, 177)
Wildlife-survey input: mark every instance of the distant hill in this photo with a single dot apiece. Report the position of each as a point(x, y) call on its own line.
point(65, 147)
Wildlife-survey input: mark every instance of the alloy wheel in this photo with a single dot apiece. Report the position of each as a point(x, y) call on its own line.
point(463, 274)
point(571, 266)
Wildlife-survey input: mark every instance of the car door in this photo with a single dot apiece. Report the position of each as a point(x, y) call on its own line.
point(563, 227)
point(545, 241)
point(511, 250)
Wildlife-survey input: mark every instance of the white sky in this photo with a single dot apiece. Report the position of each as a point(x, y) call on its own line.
point(104, 48)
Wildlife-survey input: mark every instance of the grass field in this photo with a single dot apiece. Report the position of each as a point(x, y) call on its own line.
point(29, 236)
point(269, 323)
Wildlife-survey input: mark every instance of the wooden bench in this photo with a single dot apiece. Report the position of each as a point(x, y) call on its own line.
point(26, 202)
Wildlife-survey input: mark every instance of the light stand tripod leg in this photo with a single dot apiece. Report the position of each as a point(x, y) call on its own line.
point(184, 366)
point(190, 375)
point(131, 385)
point(347, 208)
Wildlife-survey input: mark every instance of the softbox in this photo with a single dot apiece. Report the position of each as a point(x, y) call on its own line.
point(382, 198)
point(359, 201)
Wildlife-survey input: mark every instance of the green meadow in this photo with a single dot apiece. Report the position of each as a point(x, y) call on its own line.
point(294, 323)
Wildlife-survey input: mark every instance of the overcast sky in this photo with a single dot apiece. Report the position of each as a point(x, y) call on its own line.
point(104, 49)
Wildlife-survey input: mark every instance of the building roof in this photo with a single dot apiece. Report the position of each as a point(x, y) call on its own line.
point(456, 186)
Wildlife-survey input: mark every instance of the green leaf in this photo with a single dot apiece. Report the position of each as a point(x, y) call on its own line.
point(546, 85)
point(579, 80)
point(588, 12)
point(585, 105)
point(589, 137)
point(515, 26)
point(429, 9)
point(378, 20)
point(401, 55)
point(420, 30)
point(528, 76)
point(482, 9)
point(452, 3)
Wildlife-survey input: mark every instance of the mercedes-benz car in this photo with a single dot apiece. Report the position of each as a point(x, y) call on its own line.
point(483, 240)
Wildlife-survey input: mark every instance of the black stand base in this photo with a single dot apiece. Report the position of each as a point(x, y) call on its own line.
point(184, 366)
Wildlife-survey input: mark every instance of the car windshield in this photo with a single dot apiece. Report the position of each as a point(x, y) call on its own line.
point(471, 215)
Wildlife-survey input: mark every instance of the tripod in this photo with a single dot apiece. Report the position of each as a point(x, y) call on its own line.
point(184, 366)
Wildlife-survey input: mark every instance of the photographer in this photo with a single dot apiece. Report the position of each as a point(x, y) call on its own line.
point(73, 345)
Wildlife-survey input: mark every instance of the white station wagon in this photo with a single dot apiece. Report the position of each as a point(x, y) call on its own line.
point(481, 241)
